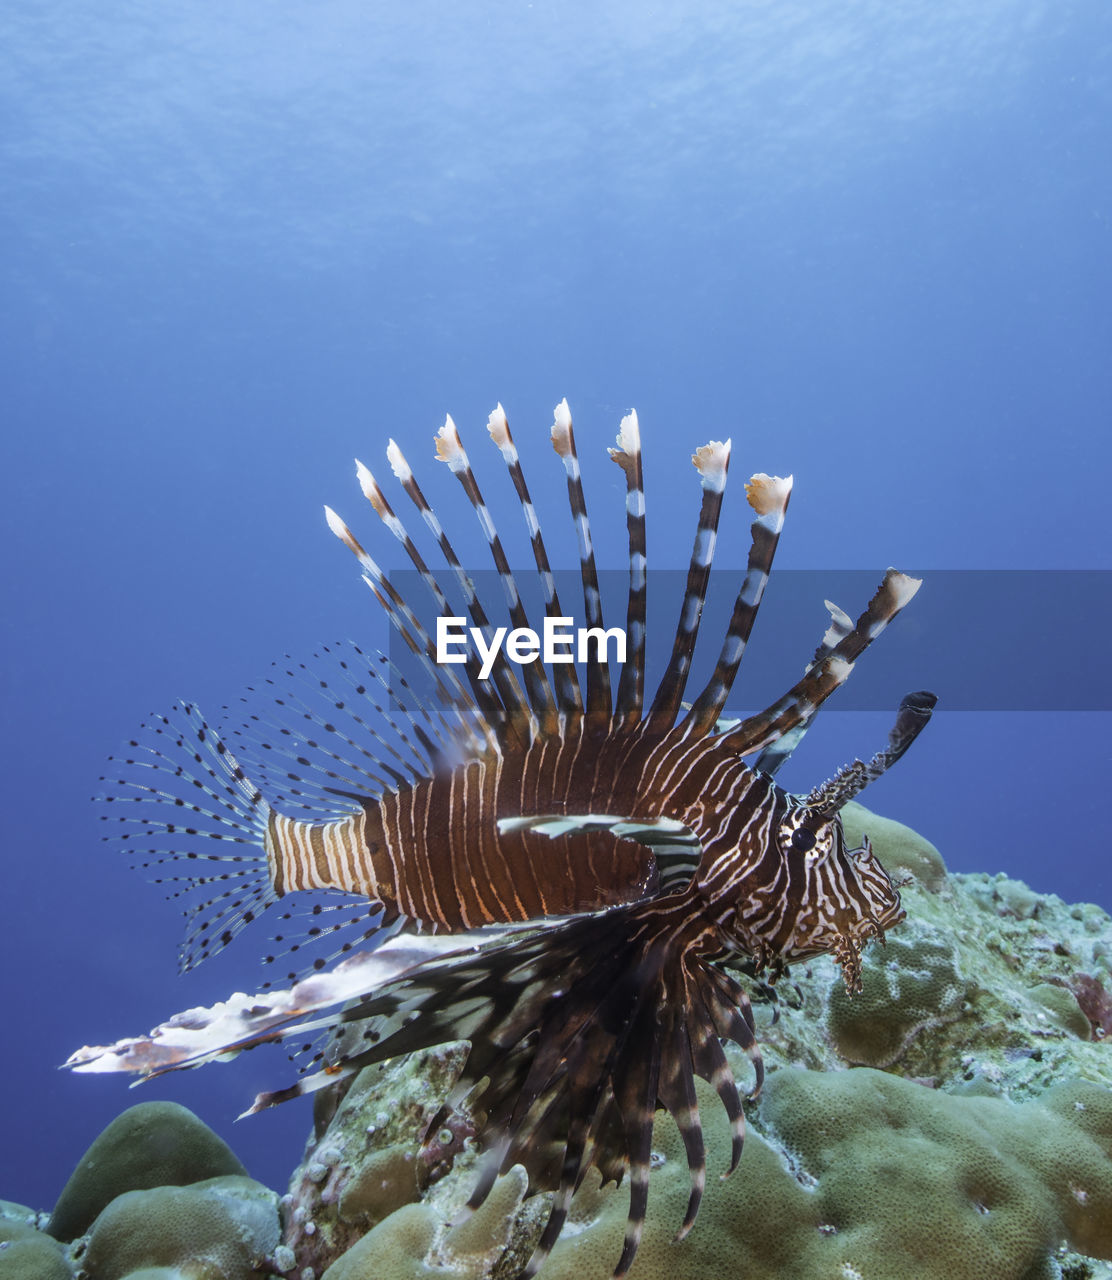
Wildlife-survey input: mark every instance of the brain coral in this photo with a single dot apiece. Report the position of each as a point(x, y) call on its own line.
point(220, 1229)
point(903, 851)
point(909, 985)
point(867, 1176)
point(154, 1144)
point(27, 1254)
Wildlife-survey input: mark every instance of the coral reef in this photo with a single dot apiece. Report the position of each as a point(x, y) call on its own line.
point(220, 1229)
point(862, 1173)
point(952, 1120)
point(128, 1213)
point(965, 1156)
point(368, 1162)
point(154, 1144)
point(26, 1253)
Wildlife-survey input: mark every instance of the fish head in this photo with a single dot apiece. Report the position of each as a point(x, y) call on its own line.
point(836, 898)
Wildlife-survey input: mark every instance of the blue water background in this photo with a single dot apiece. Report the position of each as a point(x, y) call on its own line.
point(240, 244)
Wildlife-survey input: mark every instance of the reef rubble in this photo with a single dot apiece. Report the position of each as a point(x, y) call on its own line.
point(952, 1120)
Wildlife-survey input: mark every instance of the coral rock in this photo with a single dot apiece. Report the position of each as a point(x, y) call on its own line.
point(26, 1253)
point(861, 1173)
point(219, 1229)
point(911, 984)
point(904, 852)
point(415, 1242)
point(33, 1257)
point(154, 1144)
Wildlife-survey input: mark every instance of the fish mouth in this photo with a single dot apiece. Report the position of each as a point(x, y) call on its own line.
point(847, 947)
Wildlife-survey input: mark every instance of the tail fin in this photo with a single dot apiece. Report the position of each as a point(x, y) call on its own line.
point(180, 780)
point(228, 840)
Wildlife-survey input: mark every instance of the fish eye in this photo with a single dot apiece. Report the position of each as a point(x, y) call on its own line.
point(803, 839)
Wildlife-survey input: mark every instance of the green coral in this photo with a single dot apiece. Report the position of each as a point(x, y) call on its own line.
point(384, 1182)
point(28, 1254)
point(864, 1174)
point(218, 1229)
point(1062, 1006)
point(904, 852)
point(25, 1252)
point(154, 1144)
point(33, 1257)
point(911, 984)
point(10, 1212)
point(416, 1242)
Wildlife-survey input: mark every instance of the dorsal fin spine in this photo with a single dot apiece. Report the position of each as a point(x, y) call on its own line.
point(801, 701)
point(598, 672)
point(773, 756)
point(541, 702)
point(631, 683)
point(404, 620)
point(483, 698)
point(569, 699)
point(712, 462)
point(768, 496)
point(512, 725)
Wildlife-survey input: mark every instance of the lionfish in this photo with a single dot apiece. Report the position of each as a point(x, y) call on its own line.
point(564, 876)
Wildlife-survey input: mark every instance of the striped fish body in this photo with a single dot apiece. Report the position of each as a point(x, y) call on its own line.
point(630, 846)
point(459, 852)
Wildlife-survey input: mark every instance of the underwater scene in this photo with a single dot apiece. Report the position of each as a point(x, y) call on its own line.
point(557, 585)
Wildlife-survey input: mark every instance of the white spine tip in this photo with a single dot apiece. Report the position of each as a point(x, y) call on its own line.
point(629, 433)
point(498, 427)
point(363, 475)
point(901, 586)
point(767, 493)
point(449, 447)
point(338, 527)
point(397, 462)
point(628, 452)
point(371, 490)
point(561, 429)
point(712, 461)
